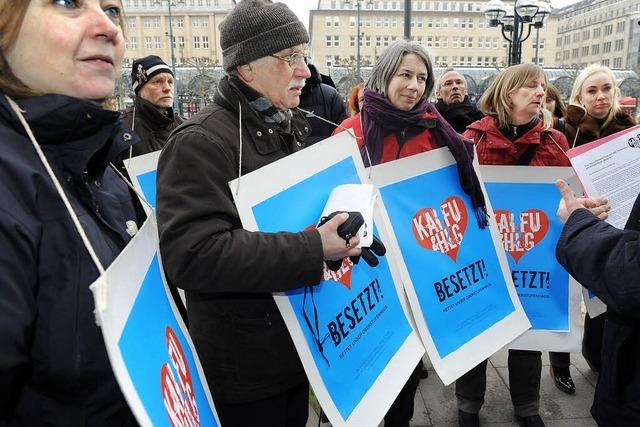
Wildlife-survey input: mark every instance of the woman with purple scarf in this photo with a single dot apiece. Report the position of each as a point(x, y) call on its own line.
point(397, 120)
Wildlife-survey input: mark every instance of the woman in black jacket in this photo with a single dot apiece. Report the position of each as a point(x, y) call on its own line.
point(58, 62)
point(606, 260)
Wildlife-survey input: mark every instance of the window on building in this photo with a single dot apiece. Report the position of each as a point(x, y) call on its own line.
point(205, 42)
point(367, 41)
point(352, 21)
point(352, 41)
point(180, 41)
point(196, 42)
point(596, 32)
point(328, 41)
point(606, 47)
point(585, 51)
point(157, 42)
point(179, 20)
point(617, 62)
point(131, 22)
point(620, 27)
point(608, 29)
point(378, 41)
point(605, 62)
point(133, 43)
point(385, 41)
point(148, 42)
point(619, 45)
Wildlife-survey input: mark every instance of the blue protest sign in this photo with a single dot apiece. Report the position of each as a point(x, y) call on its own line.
point(351, 330)
point(524, 201)
point(455, 274)
point(149, 348)
point(530, 230)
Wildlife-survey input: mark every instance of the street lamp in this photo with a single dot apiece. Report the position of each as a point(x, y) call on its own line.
point(173, 57)
point(358, 4)
point(526, 13)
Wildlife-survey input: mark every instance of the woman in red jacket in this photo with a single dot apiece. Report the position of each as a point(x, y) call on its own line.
point(396, 121)
point(516, 131)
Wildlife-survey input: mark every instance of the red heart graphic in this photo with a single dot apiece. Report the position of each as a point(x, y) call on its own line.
point(343, 275)
point(446, 235)
point(519, 238)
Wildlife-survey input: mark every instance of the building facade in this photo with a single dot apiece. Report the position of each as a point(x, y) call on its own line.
point(194, 26)
point(456, 33)
point(605, 31)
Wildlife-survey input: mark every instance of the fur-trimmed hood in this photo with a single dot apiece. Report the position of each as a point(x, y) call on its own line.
point(581, 128)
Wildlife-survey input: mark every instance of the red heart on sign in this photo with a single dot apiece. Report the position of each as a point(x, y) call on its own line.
point(442, 235)
point(343, 275)
point(519, 238)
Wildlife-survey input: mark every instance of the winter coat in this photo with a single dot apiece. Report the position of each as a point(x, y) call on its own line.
point(581, 128)
point(414, 140)
point(495, 149)
point(605, 260)
point(324, 101)
point(54, 368)
point(229, 273)
point(460, 114)
point(151, 125)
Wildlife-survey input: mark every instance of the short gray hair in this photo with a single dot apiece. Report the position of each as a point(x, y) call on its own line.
point(389, 62)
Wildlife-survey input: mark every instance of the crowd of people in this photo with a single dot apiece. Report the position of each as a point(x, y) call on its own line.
point(60, 193)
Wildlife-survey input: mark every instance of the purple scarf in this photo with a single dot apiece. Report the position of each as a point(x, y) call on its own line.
point(380, 118)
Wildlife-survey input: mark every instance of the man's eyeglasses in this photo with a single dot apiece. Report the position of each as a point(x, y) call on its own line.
point(294, 59)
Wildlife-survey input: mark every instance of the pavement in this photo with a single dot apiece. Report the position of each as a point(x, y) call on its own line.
point(435, 404)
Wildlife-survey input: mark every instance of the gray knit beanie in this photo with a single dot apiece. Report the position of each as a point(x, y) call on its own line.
point(255, 29)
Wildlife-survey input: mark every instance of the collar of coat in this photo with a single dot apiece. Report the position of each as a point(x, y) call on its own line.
point(589, 127)
point(84, 135)
point(266, 136)
point(151, 116)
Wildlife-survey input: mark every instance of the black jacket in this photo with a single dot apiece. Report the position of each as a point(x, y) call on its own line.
point(324, 101)
point(229, 273)
point(459, 115)
point(54, 368)
point(152, 126)
point(606, 261)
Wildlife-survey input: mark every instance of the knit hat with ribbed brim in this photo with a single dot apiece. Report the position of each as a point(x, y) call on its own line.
point(143, 69)
point(255, 29)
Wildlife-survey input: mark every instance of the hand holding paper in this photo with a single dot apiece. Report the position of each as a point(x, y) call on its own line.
point(569, 203)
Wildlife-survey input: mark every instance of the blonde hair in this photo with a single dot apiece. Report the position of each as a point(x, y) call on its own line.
point(495, 100)
point(576, 91)
point(12, 15)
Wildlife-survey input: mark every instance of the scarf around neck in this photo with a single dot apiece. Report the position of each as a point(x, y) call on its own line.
point(261, 105)
point(380, 117)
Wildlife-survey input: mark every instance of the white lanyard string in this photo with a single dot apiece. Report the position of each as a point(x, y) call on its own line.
point(56, 184)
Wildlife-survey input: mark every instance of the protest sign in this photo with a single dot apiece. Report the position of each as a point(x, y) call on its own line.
point(525, 200)
point(455, 273)
point(610, 167)
point(142, 171)
point(149, 347)
point(351, 330)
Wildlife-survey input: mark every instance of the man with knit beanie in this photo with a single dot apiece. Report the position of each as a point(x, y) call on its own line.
point(229, 273)
point(151, 117)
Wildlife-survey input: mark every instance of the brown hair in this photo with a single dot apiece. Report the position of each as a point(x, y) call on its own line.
point(11, 16)
point(495, 100)
point(554, 94)
point(352, 99)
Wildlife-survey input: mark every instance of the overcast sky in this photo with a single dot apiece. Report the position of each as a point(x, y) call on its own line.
point(302, 7)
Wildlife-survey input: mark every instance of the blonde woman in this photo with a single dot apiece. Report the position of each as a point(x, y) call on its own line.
point(594, 111)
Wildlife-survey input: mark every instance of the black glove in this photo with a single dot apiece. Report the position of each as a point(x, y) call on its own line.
point(347, 230)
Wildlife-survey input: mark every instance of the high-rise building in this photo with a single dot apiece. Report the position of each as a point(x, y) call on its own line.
point(605, 31)
point(455, 32)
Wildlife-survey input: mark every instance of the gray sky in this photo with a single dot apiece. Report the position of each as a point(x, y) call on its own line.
point(302, 7)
